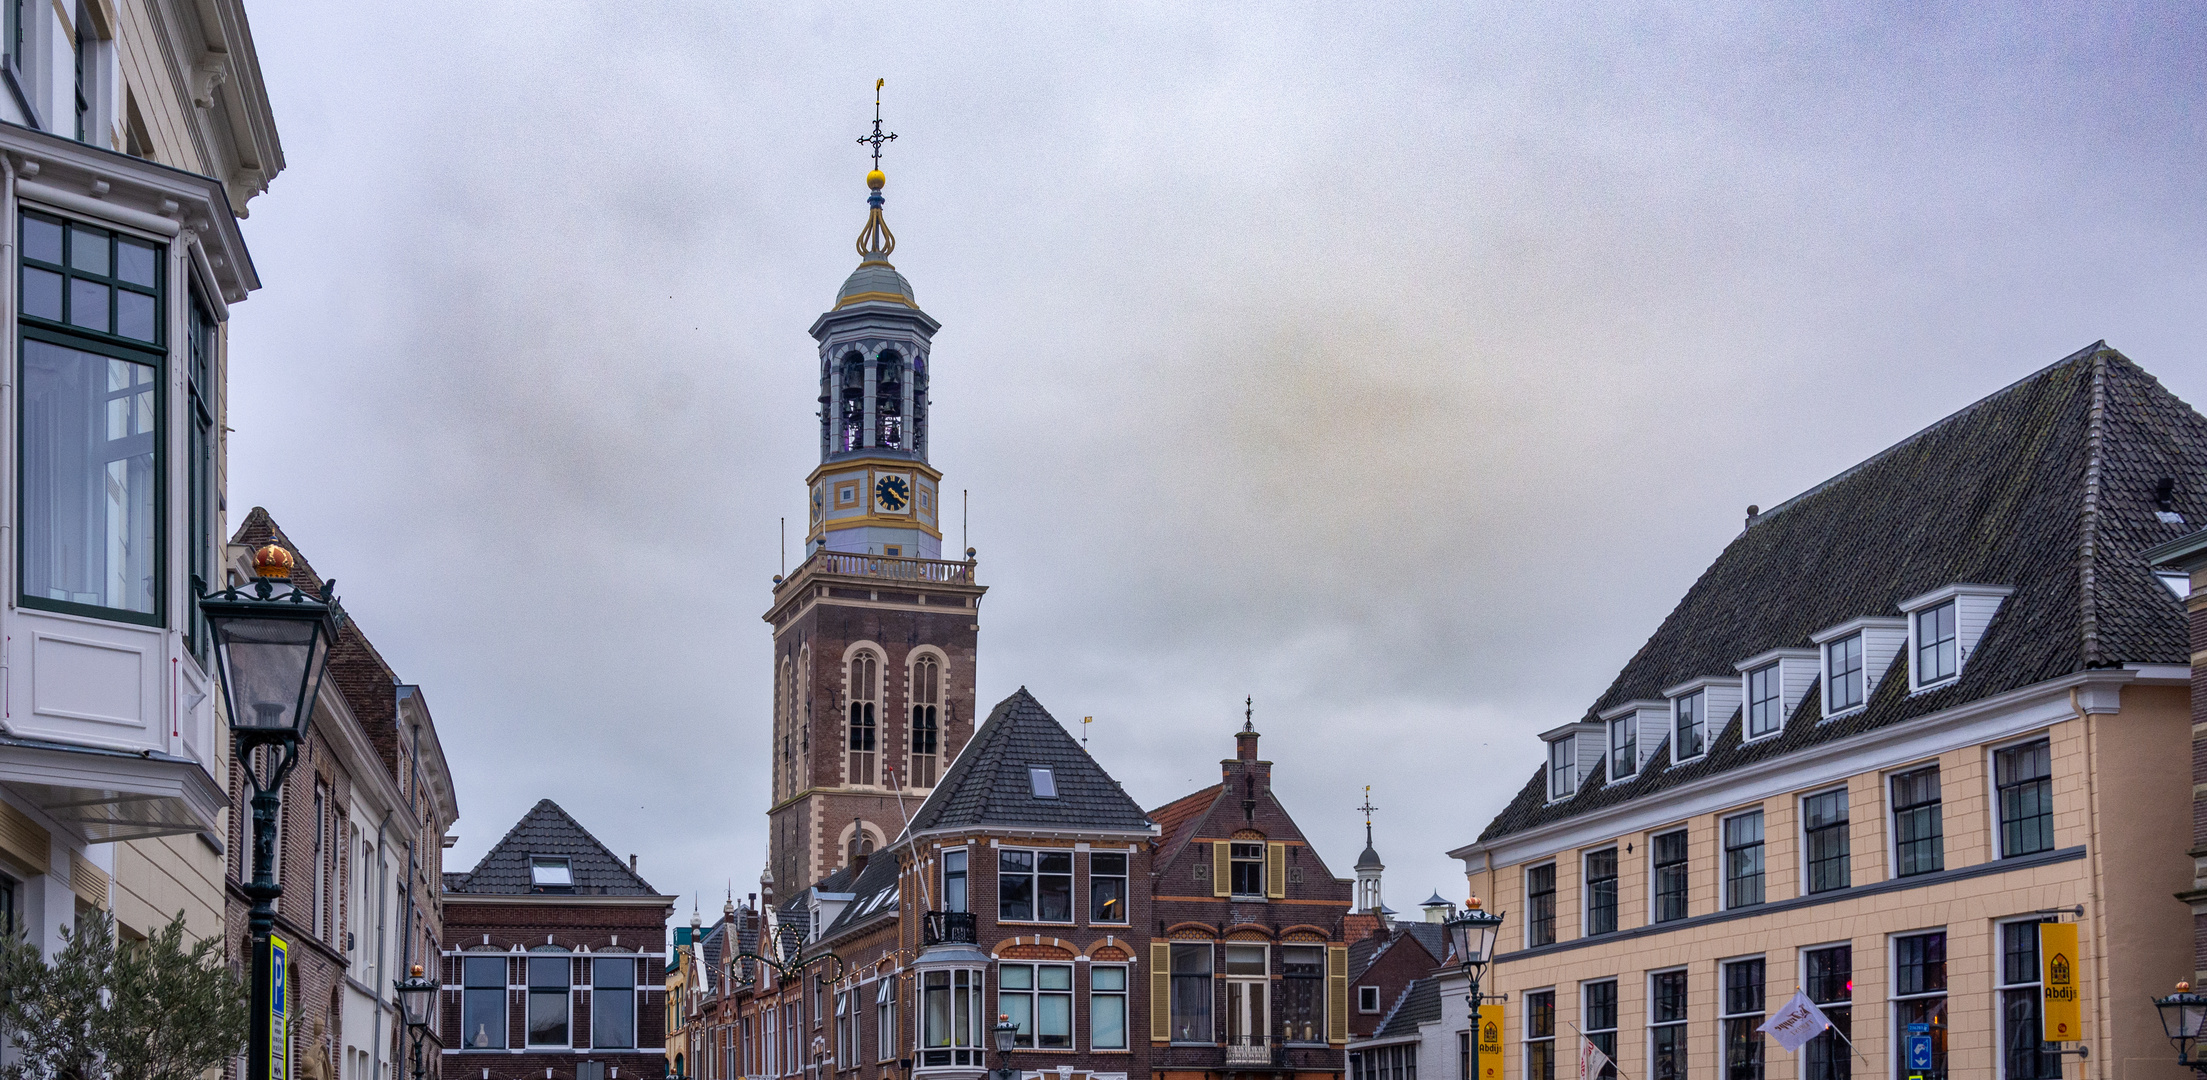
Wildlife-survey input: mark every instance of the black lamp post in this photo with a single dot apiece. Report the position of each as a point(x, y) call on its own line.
point(2184, 1018)
point(415, 997)
point(1472, 935)
point(272, 641)
point(1006, 1033)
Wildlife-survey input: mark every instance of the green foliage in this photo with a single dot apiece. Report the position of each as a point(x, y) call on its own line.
point(152, 1009)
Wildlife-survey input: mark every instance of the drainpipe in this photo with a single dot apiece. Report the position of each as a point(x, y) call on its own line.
point(2101, 1015)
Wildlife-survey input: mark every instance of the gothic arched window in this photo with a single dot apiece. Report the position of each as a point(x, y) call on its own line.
point(861, 844)
point(926, 727)
point(865, 692)
point(919, 404)
point(889, 400)
point(851, 403)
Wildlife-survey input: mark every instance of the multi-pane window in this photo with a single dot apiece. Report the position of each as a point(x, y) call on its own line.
point(1843, 669)
point(1246, 864)
point(1599, 1010)
point(1563, 767)
point(1743, 860)
point(1191, 993)
point(92, 430)
point(1765, 701)
point(1743, 1014)
point(1824, 835)
point(613, 1002)
point(1540, 894)
point(1246, 995)
point(950, 1018)
point(1107, 888)
point(1035, 886)
point(954, 880)
point(773, 1039)
point(1302, 1004)
point(1624, 746)
point(1829, 978)
point(1667, 1025)
point(2023, 776)
point(199, 466)
point(1936, 654)
point(2021, 1007)
point(548, 1000)
point(885, 1019)
point(1918, 832)
point(926, 723)
point(483, 1002)
point(1107, 1007)
point(1919, 992)
point(865, 687)
point(1038, 998)
point(1601, 891)
point(1540, 1035)
point(1669, 851)
point(1398, 1062)
point(1689, 715)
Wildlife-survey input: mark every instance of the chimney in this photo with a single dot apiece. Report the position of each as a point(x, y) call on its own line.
point(632, 862)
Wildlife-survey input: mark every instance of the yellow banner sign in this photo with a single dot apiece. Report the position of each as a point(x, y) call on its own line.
point(2058, 979)
point(1490, 1042)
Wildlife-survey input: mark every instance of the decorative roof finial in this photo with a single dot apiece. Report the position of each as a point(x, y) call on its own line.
point(875, 241)
point(1249, 714)
point(1367, 808)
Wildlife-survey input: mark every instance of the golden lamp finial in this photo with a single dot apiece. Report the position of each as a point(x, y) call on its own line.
point(1471, 903)
point(273, 562)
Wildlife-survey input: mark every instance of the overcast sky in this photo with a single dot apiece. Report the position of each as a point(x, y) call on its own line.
point(1398, 368)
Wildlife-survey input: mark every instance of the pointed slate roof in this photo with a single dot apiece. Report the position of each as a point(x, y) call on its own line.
point(548, 830)
point(2052, 486)
point(989, 784)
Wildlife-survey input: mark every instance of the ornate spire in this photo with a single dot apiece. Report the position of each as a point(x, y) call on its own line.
point(875, 241)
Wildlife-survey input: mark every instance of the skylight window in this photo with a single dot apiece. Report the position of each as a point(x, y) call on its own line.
point(1044, 781)
point(551, 874)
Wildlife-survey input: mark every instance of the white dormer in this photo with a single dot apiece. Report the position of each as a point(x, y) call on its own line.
point(1638, 726)
point(1855, 654)
point(1574, 750)
point(1699, 709)
point(825, 908)
point(1944, 626)
point(1774, 683)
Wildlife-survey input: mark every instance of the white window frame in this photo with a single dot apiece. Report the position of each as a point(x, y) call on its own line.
point(1361, 993)
point(1616, 987)
point(1072, 899)
point(1700, 698)
point(1726, 1015)
point(1586, 892)
point(1894, 998)
point(1777, 672)
point(1801, 837)
point(1654, 886)
point(1126, 1010)
point(2000, 986)
point(1862, 659)
point(1801, 970)
point(1525, 879)
point(1627, 756)
point(1724, 861)
point(1567, 746)
point(1683, 1022)
point(1525, 1036)
point(1917, 680)
point(885, 1019)
point(1992, 787)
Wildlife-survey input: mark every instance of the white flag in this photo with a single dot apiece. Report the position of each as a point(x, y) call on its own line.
point(1796, 1022)
point(1591, 1059)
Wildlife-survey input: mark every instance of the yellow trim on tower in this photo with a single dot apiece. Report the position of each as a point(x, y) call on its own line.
point(884, 297)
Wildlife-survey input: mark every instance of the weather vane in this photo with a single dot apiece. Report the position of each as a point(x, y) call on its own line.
point(877, 138)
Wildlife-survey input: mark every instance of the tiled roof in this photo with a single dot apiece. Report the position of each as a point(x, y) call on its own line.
point(1177, 819)
point(1420, 1004)
point(874, 897)
point(1432, 936)
point(547, 830)
point(2050, 487)
point(989, 784)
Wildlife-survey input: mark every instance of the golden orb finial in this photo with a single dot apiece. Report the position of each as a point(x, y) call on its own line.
point(417, 971)
point(876, 178)
point(272, 561)
point(1471, 903)
point(2184, 988)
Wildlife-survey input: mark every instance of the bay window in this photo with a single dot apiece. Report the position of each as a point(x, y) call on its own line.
point(950, 1018)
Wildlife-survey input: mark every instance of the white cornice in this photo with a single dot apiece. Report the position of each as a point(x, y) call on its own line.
point(1949, 592)
point(1761, 658)
point(557, 900)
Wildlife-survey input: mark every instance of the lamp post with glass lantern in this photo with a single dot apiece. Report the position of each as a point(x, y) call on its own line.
point(1472, 935)
point(415, 997)
point(272, 641)
point(2184, 1019)
point(1005, 1033)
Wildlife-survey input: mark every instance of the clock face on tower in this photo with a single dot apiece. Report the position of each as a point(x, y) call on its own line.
point(893, 494)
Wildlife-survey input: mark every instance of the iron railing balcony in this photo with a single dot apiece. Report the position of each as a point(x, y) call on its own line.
point(947, 928)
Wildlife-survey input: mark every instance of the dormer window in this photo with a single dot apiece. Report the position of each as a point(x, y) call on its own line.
point(1690, 724)
point(1563, 768)
point(1765, 701)
point(1935, 644)
point(1043, 781)
point(551, 874)
point(1843, 675)
point(1624, 746)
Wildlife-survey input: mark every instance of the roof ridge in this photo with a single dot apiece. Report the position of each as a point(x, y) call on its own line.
point(2088, 529)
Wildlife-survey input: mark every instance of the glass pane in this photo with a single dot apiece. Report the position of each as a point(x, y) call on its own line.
point(614, 974)
point(1245, 960)
point(88, 304)
point(1107, 1022)
point(134, 315)
point(42, 239)
point(88, 249)
point(1055, 977)
point(1015, 977)
point(41, 293)
point(88, 479)
point(547, 1017)
point(134, 262)
point(1055, 1020)
point(483, 1016)
point(613, 1015)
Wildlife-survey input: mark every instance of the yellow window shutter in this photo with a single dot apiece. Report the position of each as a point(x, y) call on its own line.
point(1160, 992)
point(1222, 869)
point(1337, 993)
point(1275, 871)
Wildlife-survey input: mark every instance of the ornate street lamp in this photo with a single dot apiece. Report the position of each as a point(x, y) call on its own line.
point(1006, 1033)
point(415, 997)
point(2184, 1018)
point(1472, 935)
point(272, 641)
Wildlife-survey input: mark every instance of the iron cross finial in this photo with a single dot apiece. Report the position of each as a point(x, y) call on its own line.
point(1249, 713)
point(877, 138)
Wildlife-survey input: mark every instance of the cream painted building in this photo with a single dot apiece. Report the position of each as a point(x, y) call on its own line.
point(1902, 719)
point(132, 133)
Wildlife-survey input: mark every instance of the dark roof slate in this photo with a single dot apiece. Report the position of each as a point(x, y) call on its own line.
point(988, 785)
point(2048, 486)
point(1420, 1004)
point(548, 830)
point(874, 897)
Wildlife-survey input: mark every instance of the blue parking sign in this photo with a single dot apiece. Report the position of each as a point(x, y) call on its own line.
point(1919, 1051)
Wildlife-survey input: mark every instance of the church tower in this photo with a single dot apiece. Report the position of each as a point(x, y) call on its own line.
point(874, 632)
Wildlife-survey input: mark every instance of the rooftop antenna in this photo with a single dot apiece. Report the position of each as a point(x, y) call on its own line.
point(1368, 808)
point(785, 547)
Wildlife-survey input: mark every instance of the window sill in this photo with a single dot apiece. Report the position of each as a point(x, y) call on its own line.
point(1936, 684)
point(1033, 922)
point(1245, 898)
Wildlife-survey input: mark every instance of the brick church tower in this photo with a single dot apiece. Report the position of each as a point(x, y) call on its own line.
point(874, 632)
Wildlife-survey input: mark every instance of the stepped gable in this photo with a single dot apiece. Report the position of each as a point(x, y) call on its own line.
point(989, 785)
point(548, 830)
point(2051, 486)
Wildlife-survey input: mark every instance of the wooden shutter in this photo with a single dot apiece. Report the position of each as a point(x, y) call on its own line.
point(1160, 992)
point(1222, 869)
point(1337, 994)
point(1275, 871)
